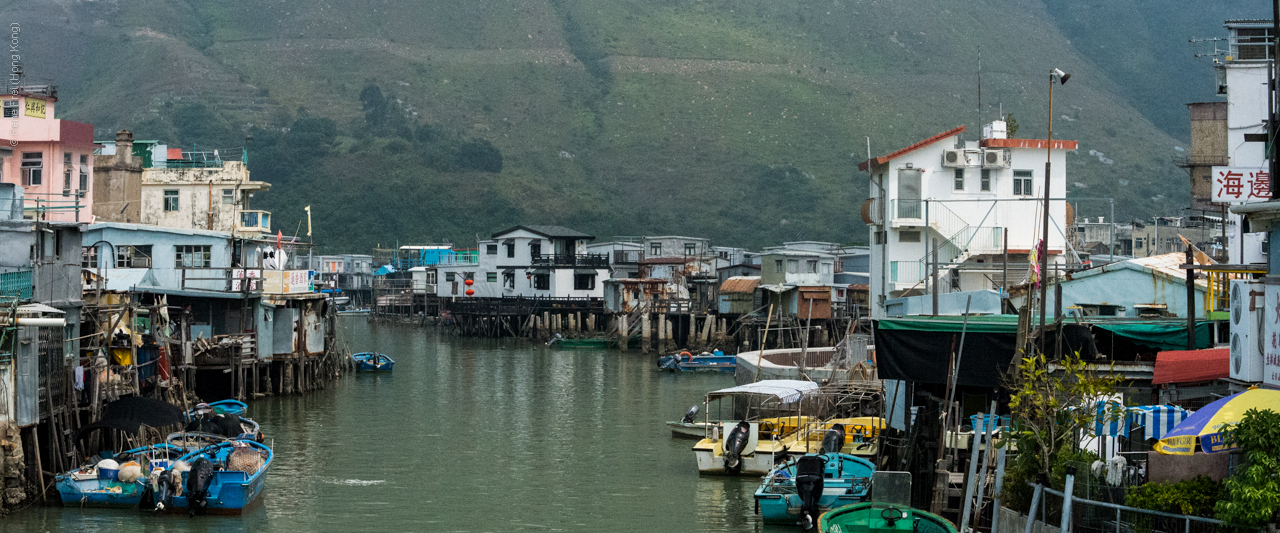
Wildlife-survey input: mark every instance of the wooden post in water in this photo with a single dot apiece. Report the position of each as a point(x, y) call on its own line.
point(644, 333)
point(662, 332)
point(622, 333)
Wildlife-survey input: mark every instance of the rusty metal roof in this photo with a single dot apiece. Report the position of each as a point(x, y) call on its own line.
point(663, 260)
point(740, 284)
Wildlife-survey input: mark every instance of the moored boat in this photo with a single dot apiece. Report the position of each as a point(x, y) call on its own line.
point(100, 484)
point(868, 517)
point(802, 488)
point(705, 362)
point(373, 362)
point(222, 479)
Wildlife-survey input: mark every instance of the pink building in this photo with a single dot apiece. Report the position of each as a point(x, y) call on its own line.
point(52, 159)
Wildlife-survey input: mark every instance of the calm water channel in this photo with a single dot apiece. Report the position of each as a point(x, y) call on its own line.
point(472, 435)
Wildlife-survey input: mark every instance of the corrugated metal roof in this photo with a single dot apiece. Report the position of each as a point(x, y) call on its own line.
point(1192, 366)
point(548, 232)
point(1169, 264)
point(740, 284)
point(663, 261)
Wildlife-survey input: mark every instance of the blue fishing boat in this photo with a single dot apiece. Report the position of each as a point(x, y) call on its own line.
point(221, 407)
point(800, 489)
point(705, 362)
point(98, 484)
point(373, 362)
point(221, 479)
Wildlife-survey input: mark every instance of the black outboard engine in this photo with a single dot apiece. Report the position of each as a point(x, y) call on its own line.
point(198, 481)
point(833, 440)
point(226, 425)
point(689, 416)
point(809, 471)
point(734, 443)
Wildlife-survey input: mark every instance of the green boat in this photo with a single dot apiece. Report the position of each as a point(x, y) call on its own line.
point(876, 517)
point(561, 342)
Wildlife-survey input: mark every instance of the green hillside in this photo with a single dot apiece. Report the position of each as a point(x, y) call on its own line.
point(740, 121)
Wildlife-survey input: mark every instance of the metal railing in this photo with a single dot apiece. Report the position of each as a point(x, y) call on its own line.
point(222, 279)
point(582, 260)
point(1200, 160)
point(17, 283)
point(1218, 299)
point(907, 208)
point(1076, 514)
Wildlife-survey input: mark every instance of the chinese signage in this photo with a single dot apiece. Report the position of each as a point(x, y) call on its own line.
point(286, 281)
point(240, 274)
point(1240, 185)
point(35, 108)
point(1271, 337)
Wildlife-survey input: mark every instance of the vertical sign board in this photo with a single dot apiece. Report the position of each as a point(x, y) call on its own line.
point(1239, 185)
point(1271, 337)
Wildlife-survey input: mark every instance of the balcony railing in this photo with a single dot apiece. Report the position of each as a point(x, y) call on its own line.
point(572, 260)
point(1200, 160)
point(908, 208)
point(16, 284)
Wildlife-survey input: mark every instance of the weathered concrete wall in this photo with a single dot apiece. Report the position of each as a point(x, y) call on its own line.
point(1011, 521)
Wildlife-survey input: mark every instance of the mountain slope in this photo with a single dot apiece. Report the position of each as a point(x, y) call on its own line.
point(743, 122)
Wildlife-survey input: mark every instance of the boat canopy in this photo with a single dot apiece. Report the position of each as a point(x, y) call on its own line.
point(786, 390)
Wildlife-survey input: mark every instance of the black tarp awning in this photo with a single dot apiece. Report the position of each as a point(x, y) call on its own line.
point(130, 413)
point(919, 350)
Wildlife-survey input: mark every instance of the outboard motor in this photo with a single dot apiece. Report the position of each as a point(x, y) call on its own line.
point(158, 495)
point(734, 443)
point(833, 440)
point(198, 481)
point(689, 416)
point(809, 471)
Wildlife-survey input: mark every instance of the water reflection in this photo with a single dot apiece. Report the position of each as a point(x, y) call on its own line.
point(474, 435)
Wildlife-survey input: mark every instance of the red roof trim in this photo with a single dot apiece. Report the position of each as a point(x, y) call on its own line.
point(1029, 143)
point(885, 159)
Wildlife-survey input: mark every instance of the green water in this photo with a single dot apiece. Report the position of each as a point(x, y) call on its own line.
point(472, 435)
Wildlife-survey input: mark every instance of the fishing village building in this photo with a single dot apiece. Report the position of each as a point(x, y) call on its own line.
point(50, 158)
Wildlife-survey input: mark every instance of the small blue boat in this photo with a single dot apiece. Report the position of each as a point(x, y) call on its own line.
point(373, 362)
point(800, 489)
point(223, 478)
point(221, 407)
point(97, 485)
point(706, 362)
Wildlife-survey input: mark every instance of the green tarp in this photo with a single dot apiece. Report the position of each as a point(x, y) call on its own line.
point(1160, 335)
point(1164, 335)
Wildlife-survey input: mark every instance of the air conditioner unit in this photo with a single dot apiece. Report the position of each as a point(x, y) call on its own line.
point(1247, 340)
point(954, 159)
point(995, 158)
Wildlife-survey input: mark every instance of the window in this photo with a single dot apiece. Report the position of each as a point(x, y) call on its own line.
point(542, 282)
point(491, 277)
point(248, 219)
point(777, 266)
point(908, 236)
point(813, 266)
point(690, 248)
point(959, 179)
point(193, 256)
point(509, 280)
point(89, 257)
point(793, 266)
point(128, 256)
point(66, 174)
point(986, 180)
point(491, 249)
point(170, 200)
point(84, 174)
point(1022, 183)
point(448, 276)
point(535, 248)
point(826, 268)
point(228, 196)
point(584, 282)
point(32, 168)
point(655, 249)
point(511, 249)
point(10, 108)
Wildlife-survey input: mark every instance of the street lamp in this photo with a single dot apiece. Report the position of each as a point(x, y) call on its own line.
point(1055, 76)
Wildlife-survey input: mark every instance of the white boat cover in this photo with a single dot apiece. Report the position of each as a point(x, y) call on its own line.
point(786, 390)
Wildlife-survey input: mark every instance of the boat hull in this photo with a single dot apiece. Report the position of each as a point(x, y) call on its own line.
point(688, 430)
point(229, 494)
point(99, 492)
point(869, 516)
point(698, 363)
point(371, 362)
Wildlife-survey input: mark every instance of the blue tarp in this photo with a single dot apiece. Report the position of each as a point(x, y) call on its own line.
point(384, 270)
